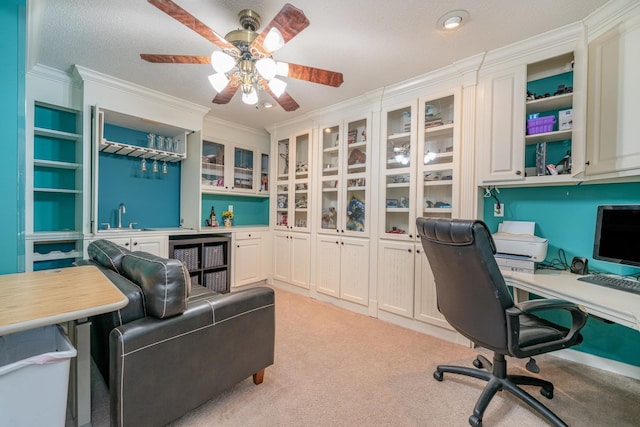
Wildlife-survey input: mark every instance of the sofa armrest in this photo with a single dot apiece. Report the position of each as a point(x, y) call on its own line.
point(162, 368)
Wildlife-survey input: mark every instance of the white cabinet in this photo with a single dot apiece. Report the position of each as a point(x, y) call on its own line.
point(396, 277)
point(292, 258)
point(249, 257)
point(530, 118)
point(501, 125)
point(613, 104)
point(426, 302)
point(156, 245)
point(344, 181)
point(342, 268)
point(293, 162)
point(234, 168)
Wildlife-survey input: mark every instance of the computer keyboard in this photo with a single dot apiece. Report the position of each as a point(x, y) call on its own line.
point(612, 281)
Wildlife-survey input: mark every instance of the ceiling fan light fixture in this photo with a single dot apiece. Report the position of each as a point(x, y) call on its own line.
point(251, 97)
point(219, 81)
point(277, 86)
point(282, 68)
point(273, 41)
point(267, 68)
point(221, 62)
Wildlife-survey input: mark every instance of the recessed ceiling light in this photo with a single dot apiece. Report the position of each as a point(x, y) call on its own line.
point(452, 20)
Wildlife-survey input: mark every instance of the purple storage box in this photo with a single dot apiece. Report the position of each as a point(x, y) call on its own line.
point(540, 125)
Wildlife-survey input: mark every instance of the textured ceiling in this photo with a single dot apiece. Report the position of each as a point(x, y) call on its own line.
point(374, 43)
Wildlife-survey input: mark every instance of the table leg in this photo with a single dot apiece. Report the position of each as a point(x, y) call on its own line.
point(80, 372)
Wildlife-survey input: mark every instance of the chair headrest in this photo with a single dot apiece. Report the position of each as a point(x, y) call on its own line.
point(452, 231)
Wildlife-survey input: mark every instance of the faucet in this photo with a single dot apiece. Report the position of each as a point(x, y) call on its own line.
point(122, 209)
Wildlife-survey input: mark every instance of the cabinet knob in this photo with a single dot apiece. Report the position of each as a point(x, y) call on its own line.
point(337, 242)
point(249, 235)
point(417, 251)
point(135, 243)
point(411, 236)
point(587, 163)
point(126, 244)
point(518, 172)
point(238, 246)
point(409, 250)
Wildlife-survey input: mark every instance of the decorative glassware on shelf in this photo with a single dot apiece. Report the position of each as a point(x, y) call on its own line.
point(151, 140)
point(160, 143)
point(169, 144)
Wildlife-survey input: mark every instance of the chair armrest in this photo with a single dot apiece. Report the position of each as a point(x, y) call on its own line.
point(527, 309)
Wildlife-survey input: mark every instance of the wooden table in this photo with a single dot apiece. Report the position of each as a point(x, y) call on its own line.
point(41, 298)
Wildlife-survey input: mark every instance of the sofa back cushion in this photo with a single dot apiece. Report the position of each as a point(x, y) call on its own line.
point(107, 254)
point(164, 282)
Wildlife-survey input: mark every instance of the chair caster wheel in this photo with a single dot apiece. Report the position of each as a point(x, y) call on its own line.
point(438, 375)
point(477, 363)
point(547, 393)
point(475, 421)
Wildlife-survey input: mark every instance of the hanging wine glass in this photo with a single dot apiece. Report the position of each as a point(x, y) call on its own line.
point(150, 140)
point(143, 165)
point(155, 166)
point(164, 167)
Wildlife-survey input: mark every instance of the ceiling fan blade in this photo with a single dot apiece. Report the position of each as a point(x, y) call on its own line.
point(285, 100)
point(290, 21)
point(315, 75)
point(175, 59)
point(225, 96)
point(188, 20)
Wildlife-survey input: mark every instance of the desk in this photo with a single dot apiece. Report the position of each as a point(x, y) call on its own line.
point(41, 298)
point(610, 304)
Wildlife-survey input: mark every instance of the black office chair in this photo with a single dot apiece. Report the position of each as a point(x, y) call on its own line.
point(474, 298)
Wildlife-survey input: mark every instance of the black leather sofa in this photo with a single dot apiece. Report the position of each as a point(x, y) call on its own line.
point(175, 345)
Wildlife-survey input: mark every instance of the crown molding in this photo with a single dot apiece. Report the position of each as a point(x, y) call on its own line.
point(609, 15)
point(52, 74)
point(215, 121)
point(82, 74)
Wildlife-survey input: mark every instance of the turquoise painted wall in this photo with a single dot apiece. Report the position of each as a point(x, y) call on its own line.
point(12, 129)
point(247, 210)
point(566, 216)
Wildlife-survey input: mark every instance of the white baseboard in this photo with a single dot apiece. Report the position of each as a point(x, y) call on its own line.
point(599, 362)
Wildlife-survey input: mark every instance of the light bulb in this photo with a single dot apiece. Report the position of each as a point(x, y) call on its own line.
point(250, 98)
point(273, 41)
point(277, 86)
point(221, 62)
point(219, 81)
point(267, 68)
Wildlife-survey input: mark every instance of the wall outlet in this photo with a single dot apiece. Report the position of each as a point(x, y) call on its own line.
point(230, 208)
point(498, 209)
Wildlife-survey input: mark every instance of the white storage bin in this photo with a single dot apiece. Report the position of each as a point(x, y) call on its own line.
point(34, 377)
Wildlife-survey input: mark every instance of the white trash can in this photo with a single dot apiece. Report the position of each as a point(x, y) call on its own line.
point(34, 377)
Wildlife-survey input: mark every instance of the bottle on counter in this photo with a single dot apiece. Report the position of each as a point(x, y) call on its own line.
point(213, 222)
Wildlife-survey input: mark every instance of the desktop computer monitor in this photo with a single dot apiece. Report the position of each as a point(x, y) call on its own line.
point(617, 237)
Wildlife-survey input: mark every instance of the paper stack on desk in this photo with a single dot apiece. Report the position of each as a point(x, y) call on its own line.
point(517, 248)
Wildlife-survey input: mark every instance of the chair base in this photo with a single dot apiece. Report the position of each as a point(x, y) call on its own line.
point(497, 379)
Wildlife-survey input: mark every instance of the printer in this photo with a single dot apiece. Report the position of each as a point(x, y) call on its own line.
point(515, 239)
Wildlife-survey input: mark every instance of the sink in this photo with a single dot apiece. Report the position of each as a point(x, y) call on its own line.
point(119, 230)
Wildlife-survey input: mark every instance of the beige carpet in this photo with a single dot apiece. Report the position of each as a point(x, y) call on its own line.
point(337, 368)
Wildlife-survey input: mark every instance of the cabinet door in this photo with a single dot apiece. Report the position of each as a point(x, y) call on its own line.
point(613, 104)
point(156, 245)
point(501, 125)
point(243, 170)
point(355, 173)
point(426, 304)
point(328, 265)
point(354, 270)
point(282, 257)
point(213, 170)
point(396, 278)
point(300, 259)
point(247, 261)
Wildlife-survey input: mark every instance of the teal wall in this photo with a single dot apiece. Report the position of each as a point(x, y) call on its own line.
point(12, 129)
point(566, 215)
point(247, 210)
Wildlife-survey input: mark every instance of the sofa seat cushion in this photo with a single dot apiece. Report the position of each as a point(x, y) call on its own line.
point(164, 282)
point(107, 254)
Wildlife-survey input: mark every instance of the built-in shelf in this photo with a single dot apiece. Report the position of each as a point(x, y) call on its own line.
point(558, 102)
point(560, 135)
point(52, 133)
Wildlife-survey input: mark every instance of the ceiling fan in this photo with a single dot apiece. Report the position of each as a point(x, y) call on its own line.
point(244, 61)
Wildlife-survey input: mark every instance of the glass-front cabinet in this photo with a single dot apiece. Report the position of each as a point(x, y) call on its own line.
point(397, 167)
point(292, 182)
point(438, 153)
point(239, 176)
point(344, 177)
